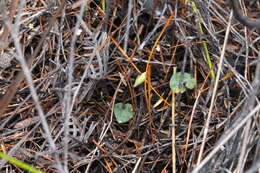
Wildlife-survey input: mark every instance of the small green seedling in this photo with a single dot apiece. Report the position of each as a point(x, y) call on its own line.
point(187, 82)
point(19, 163)
point(103, 4)
point(123, 112)
point(140, 79)
point(179, 83)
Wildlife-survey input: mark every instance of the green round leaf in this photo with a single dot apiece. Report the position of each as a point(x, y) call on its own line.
point(123, 112)
point(189, 81)
point(175, 85)
point(175, 82)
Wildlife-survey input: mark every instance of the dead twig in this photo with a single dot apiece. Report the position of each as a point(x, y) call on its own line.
point(5, 100)
point(241, 18)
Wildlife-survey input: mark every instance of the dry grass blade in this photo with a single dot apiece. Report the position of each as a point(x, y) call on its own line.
point(212, 103)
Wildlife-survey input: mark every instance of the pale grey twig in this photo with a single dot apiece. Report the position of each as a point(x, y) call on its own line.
point(158, 24)
point(20, 57)
point(130, 6)
point(69, 103)
point(229, 134)
point(135, 170)
point(243, 19)
point(14, 31)
point(206, 128)
point(255, 168)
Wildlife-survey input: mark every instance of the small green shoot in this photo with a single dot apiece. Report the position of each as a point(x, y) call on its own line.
point(140, 79)
point(179, 83)
point(19, 163)
point(204, 43)
point(103, 5)
point(123, 112)
point(187, 82)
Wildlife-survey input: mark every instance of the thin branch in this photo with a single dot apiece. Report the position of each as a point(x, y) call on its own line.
point(243, 19)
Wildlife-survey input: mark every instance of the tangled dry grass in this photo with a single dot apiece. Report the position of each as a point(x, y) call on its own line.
point(64, 64)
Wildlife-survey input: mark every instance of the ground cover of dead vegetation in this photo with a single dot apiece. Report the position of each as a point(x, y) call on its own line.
point(65, 64)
